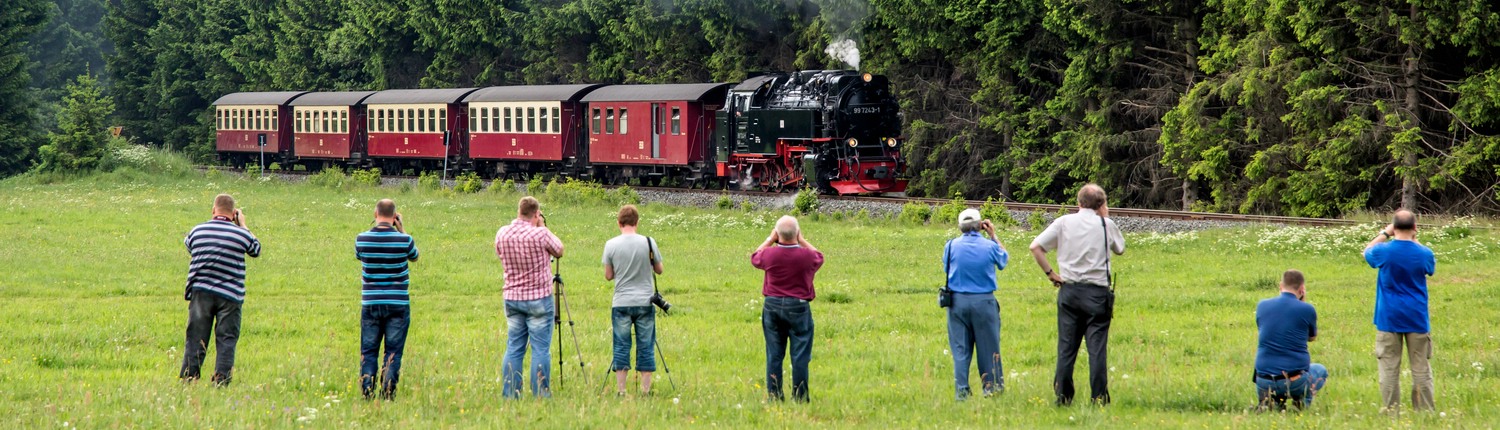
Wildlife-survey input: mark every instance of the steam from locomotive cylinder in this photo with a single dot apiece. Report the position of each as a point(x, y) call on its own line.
point(844, 50)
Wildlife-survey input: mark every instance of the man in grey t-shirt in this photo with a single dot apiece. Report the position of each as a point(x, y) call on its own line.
point(630, 260)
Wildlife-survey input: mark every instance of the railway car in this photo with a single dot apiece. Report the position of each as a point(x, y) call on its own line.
point(417, 129)
point(653, 132)
point(329, 128)
point(836, 130)
point(527, 130)
point(250, 125)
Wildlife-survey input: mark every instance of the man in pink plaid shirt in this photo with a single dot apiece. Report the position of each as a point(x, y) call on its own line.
point(525, 248)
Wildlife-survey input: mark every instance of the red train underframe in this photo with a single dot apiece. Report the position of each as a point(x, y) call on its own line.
point(783, 170)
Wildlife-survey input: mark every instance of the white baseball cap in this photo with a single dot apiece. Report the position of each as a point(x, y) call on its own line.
point(969, 215)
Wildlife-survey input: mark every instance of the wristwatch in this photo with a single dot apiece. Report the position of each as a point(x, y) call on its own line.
point(1386, 234)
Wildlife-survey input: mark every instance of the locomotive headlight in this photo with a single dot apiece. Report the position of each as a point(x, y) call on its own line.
point(852, 142)
point(867, 77)
point(890, 141)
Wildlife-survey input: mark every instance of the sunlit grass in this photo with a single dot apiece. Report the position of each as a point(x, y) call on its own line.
point(93, 319)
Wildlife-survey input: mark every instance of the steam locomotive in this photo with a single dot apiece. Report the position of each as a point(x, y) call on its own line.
point(836, 131)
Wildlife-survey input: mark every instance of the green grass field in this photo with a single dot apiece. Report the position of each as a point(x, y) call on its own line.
point(92, 325)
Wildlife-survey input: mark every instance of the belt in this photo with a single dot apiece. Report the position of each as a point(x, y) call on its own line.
point(1290, 376)
point(1082, 284)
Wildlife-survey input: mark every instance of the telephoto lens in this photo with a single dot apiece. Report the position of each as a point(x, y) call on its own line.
point(661, 303)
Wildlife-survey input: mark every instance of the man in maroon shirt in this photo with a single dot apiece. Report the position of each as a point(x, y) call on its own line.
point(789, 262)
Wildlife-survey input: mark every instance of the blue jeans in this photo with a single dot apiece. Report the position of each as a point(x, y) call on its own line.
point(378, 323)
point(643, 320)
point(528, 321)
point(786, 319)
point(974, 326)
point(1300, 392)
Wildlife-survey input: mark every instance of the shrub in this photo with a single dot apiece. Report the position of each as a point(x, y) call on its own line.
point(625, 195)
point(915, 213)
point(862, 216)
point(535, 186)
point(502, 187)
point(1036, 219)
point(468, 183)
point(747, 206)
point(576, 192)
point(724, 202)
point(82, 140)
point(368, 177)
point(996, 212)
point(252, 171)
point(274, 167)
point(948, 212)
point(429, 181)
point(806, 201)
point(329, 178)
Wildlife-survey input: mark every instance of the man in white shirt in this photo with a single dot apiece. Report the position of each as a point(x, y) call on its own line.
point(1085, 296)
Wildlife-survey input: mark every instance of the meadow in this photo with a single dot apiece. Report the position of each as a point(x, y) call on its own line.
point(91, 332)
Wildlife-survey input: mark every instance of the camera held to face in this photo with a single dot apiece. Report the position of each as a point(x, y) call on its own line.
point(660, 302)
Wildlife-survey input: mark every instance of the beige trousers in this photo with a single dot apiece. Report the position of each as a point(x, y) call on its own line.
point(1388, 352)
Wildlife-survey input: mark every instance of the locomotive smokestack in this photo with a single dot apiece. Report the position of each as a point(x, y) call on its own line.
point(844, 50)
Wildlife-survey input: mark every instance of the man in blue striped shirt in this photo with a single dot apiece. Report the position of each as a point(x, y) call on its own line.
point(386, 311)
point(216, 288)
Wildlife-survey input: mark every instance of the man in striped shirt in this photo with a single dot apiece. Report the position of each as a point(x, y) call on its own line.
point(216, 288)
point(524, 248)
point(386, 312)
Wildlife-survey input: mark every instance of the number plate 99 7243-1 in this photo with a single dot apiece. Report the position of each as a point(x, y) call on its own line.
point(863, 110)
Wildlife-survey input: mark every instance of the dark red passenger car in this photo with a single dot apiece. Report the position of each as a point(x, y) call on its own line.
point(244, 120)
point(416, 129)
point(525, 130)
point(329, 128)
point(653, 132)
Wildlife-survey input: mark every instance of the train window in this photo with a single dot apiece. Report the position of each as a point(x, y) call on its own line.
point(658, 122)
point(544, 119)
point(624, 121)
point(275, 115)
point(442, 119)
point(263, 119)
point(531, 120)
point(609, 121)
point(370, 116)
point(343, 121)
point(595, 127)
point(676, 121)
point(411, 120)
point(473, 119)
point(432, 120)
point(483, 120)
point(556, 120)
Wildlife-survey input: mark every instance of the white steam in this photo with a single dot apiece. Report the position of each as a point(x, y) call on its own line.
point(844, 50)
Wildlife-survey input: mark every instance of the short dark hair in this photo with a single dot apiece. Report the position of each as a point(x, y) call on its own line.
point(1404, 220)
point(1091, 196)
point(224, 203)
point(385, 208)
point(629, 216)
point(1292, 278)
point(529, 206)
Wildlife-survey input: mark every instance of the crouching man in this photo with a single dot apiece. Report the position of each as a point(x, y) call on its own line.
point(1283, 368)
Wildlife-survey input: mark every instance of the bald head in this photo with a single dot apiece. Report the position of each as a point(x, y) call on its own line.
point(787, 229)
point(224, 205)
point(385, 208)
point(1404, 220)
point(1091, 196)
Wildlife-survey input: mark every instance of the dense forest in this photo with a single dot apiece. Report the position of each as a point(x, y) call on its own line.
point(1314, 107)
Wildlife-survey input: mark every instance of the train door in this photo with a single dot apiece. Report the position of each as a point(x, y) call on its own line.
point(657, 121)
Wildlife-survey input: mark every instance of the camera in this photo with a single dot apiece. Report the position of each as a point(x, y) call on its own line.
point(660, 302)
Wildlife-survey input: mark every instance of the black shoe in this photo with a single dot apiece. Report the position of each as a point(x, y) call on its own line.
point(220, 380)
point(1063, 401)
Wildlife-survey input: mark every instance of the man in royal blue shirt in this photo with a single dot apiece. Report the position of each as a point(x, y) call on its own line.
point(970, 262)
point(1283, 368)
point(1401, 309)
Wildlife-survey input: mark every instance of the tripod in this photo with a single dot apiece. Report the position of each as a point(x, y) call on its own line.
point(559, 302)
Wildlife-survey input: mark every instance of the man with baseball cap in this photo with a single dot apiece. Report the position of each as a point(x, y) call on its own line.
point(969, 264)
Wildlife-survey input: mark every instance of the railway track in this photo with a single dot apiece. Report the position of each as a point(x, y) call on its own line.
point(1026, 207)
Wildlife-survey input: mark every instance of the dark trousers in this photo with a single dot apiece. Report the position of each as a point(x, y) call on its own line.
point(786, 319)
point(1083, 312)
point(209, 312)
point(974, 333)
point(378, 323)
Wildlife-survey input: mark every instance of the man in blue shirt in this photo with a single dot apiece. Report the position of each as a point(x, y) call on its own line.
point(970, 262)
point(385, 314)
point(1401, 309)
point(1283, 368)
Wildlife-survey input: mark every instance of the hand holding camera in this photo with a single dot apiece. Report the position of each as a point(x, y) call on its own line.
point(398, 225)
point(540, 220)
point(239, 219)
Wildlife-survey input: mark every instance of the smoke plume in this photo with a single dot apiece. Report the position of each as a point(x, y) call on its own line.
point(844, 50)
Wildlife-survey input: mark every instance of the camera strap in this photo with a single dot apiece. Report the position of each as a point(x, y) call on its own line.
point(947, 260)
point(1109, 275)
point(651, 260)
